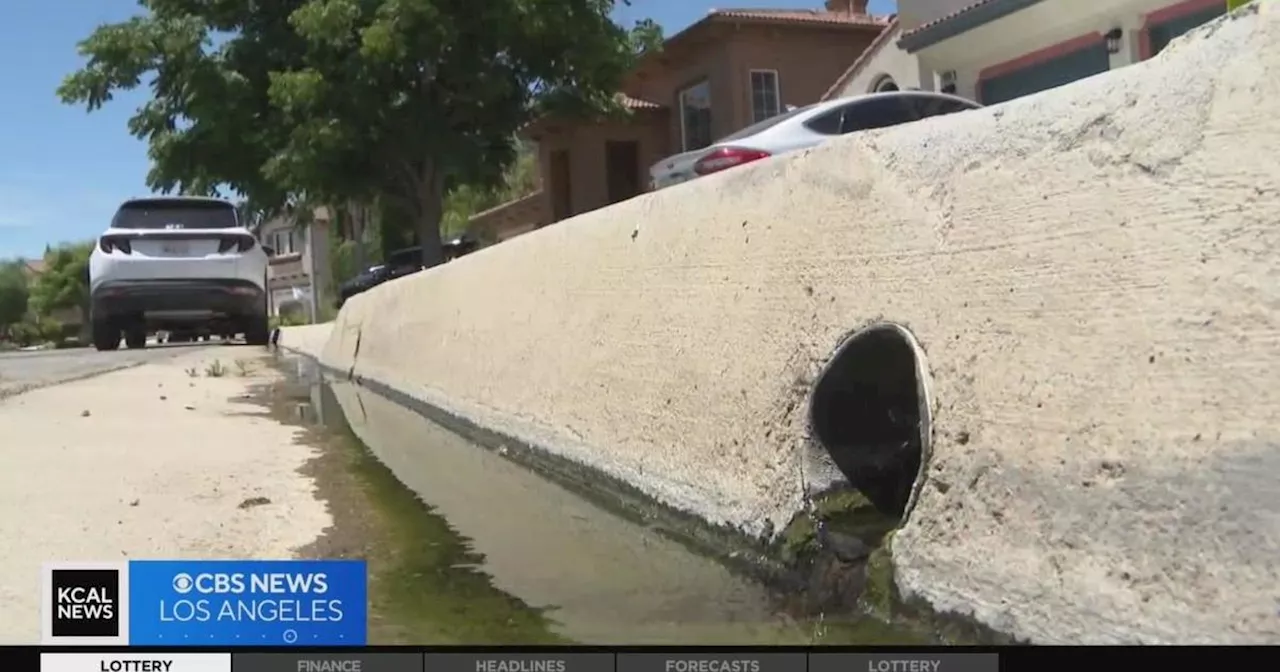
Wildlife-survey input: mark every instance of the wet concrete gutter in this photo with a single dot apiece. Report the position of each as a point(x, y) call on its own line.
point(575, 570)
point(809, 585)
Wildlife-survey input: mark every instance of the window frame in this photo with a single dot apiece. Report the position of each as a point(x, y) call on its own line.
point(836, 113)
point(900, 105)
point(911, 105)
point(879, 86)
point(684, 122)
point(149, 208)
point(777, 93)
point(284, 242)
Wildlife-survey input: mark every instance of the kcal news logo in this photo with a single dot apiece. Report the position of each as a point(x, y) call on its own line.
point(206, 603)
point(85, 603)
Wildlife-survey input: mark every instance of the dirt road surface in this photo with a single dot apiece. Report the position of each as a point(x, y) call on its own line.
point(164, 460)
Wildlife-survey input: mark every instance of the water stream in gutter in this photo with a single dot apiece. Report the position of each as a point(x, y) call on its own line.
point(467, 547)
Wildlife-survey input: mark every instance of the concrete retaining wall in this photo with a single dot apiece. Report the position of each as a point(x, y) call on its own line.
point(1092, 272)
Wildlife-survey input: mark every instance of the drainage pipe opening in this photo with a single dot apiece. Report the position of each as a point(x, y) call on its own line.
point(868, 410)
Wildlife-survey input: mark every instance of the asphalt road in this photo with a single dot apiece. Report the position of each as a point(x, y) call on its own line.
point(21, 371)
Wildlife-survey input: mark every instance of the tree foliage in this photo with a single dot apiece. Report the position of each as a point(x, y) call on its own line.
point(65, 280)
point(394, 100)
point(466, 200)
point(13, 294)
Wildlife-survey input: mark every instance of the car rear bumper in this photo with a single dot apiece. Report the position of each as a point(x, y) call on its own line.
point(216, 297)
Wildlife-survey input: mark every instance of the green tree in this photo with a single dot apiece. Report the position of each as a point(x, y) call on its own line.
point(13, 294)
point(418, 95)
point(387, 101)
point(208, 123)
point(65, 280)
point(465, 201)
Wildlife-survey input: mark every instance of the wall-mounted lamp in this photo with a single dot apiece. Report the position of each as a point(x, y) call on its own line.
point(1113, 40)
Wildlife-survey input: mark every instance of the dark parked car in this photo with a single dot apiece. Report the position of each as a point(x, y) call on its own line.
point(401, 263)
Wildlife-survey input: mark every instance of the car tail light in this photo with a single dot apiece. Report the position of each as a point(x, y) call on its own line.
point(727, 157)
point(109, 243)
point(241, 243)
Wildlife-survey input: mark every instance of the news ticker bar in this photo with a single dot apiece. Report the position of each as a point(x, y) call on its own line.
point(301, 661)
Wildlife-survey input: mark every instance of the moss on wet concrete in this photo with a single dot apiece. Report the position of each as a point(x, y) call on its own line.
point(885, 602)
point(881, 592)
point(850, 570)
point(424, 583)
point(846, 514)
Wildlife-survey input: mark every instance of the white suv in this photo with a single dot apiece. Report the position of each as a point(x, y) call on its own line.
point(178, 264)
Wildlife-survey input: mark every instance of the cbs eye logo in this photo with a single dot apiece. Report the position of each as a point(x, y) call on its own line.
point(183, 583)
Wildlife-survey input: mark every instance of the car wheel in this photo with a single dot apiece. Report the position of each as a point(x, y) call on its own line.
point(135, 339)
point(257, 331)
point(106, 335)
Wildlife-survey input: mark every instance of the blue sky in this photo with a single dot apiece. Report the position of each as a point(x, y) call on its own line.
point(64, 171)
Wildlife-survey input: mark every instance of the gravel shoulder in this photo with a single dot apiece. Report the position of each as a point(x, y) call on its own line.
point(157, 461)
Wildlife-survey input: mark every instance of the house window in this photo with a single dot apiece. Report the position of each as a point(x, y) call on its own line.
point(764, 95)
point(283, 242)
point(695, 116)
point(885, 83)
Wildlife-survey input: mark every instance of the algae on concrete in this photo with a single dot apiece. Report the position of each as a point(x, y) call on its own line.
point(427, 584)
point(844, 513)
point(881, 592)
point(424, 583)
point(882, 599)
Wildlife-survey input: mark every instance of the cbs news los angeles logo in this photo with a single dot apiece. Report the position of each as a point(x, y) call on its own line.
point(85, 604)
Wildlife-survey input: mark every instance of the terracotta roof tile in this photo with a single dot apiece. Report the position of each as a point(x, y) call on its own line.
point(946, 17)
point(817, 16)
point(867, 54)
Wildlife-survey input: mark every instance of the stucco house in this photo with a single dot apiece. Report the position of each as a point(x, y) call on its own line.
point(726, 71)
point(883, 66)
point(32, 268)
point(996, 50)
point(298, 269)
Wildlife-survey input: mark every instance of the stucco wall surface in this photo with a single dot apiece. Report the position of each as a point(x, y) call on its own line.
point(1091, 271)
point(308, 339)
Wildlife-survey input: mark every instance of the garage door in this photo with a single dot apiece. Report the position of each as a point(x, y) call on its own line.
point(1064, 69)
point(1162, 34)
